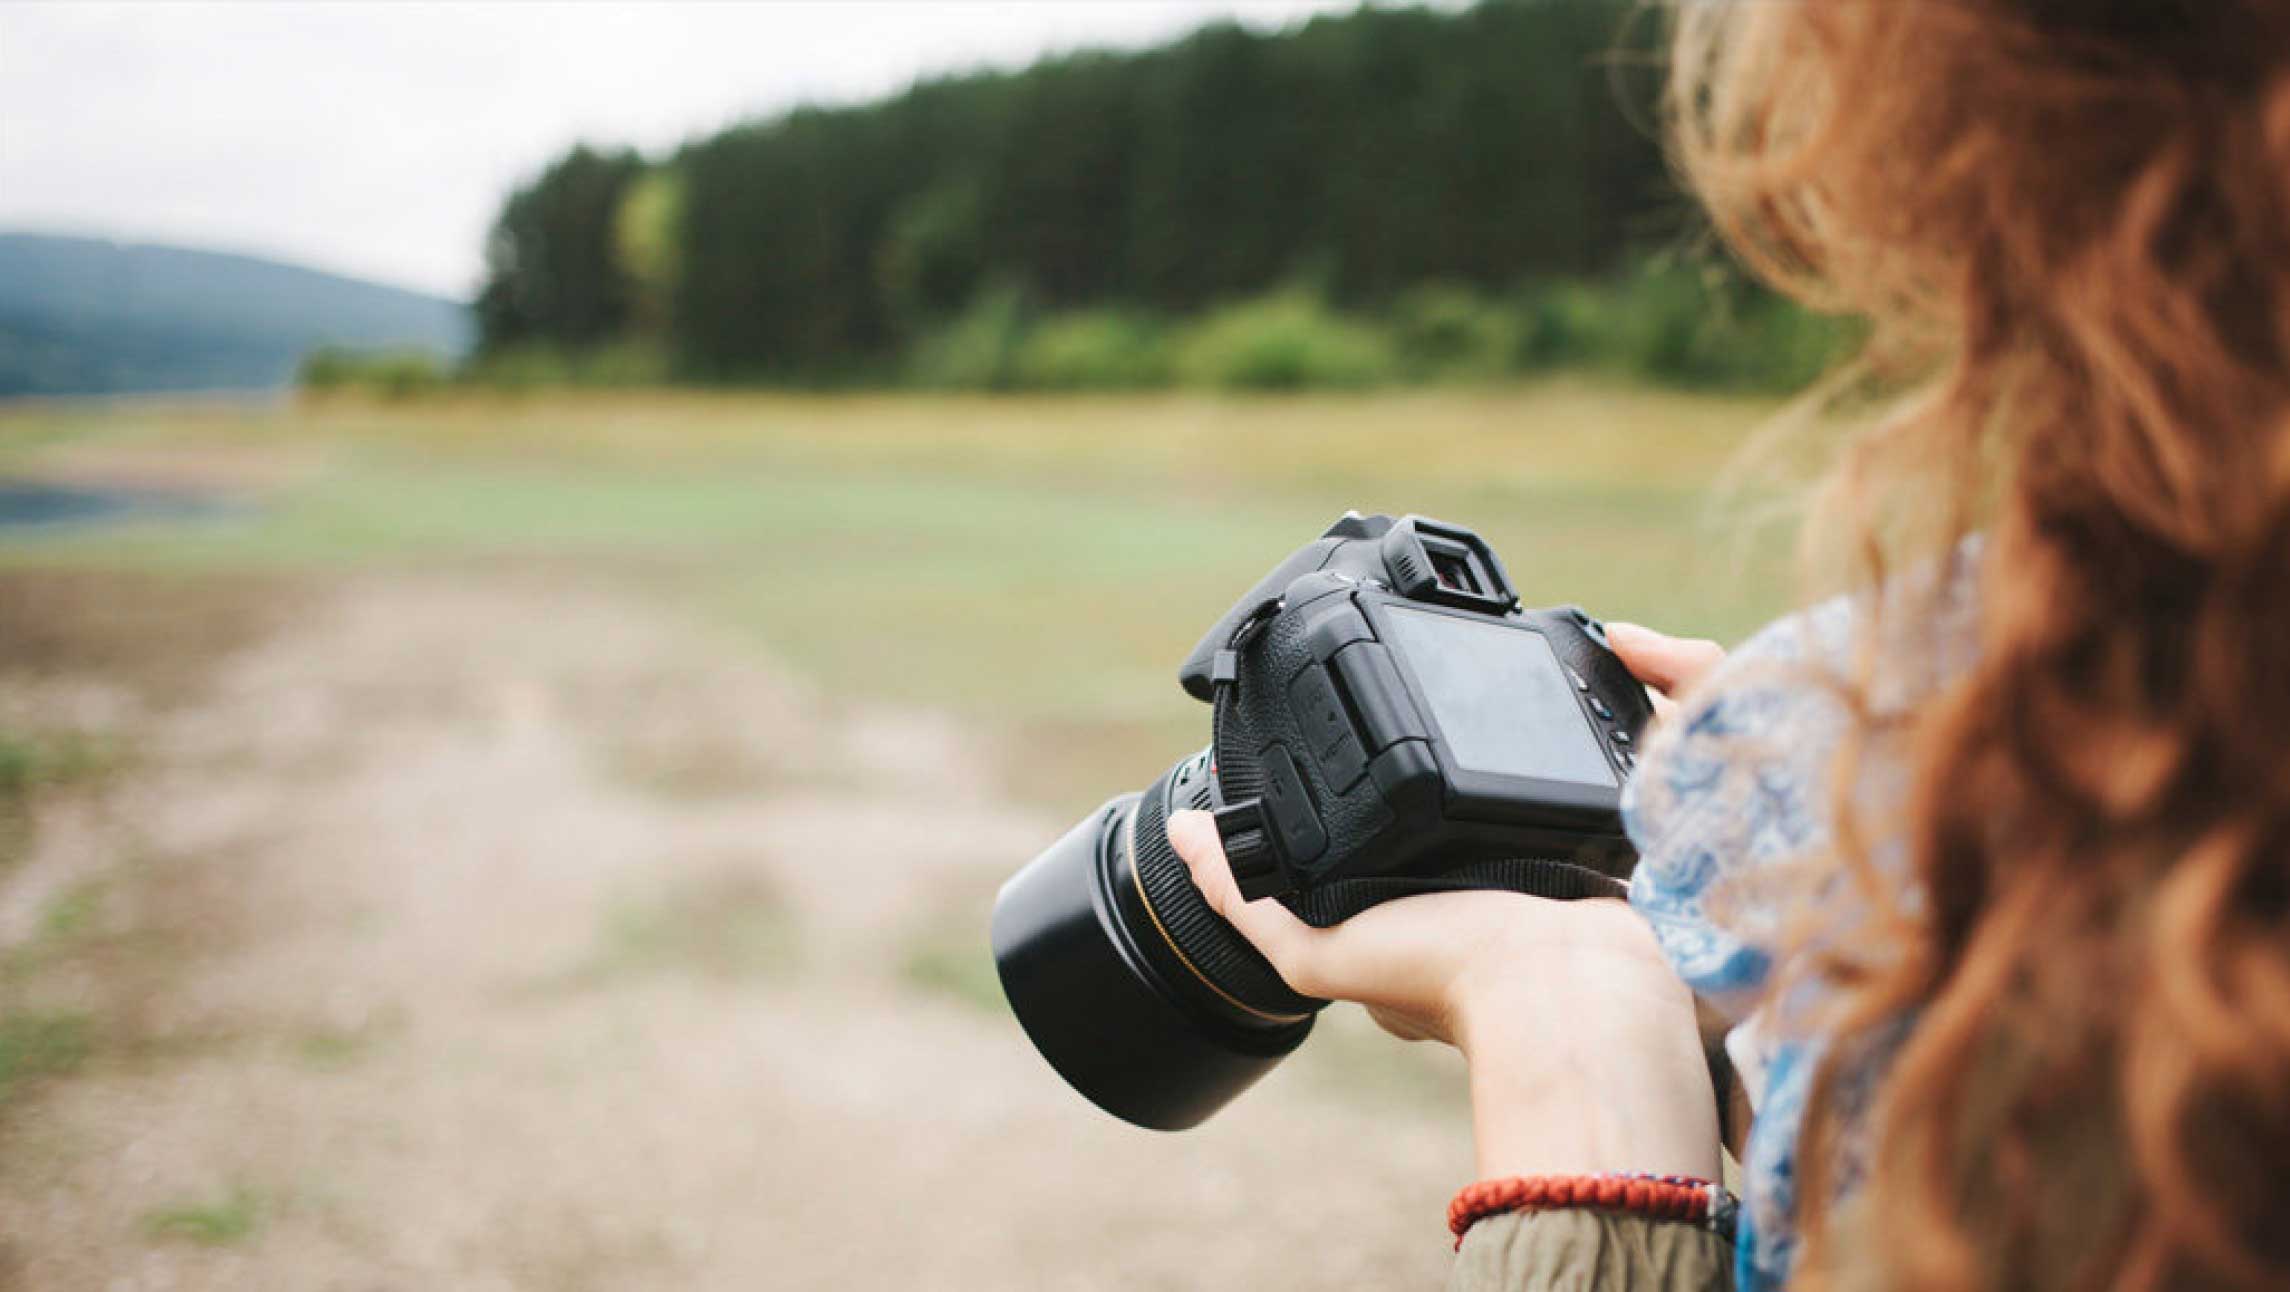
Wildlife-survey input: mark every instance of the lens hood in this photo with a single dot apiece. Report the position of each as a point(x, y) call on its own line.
point(1095, 1004)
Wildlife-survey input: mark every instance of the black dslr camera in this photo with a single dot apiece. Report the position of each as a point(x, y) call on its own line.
point(1386, 720)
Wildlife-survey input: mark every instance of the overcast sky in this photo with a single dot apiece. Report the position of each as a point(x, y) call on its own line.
point(379, 139)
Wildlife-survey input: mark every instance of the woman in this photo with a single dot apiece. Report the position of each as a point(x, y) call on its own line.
point(1988, 863)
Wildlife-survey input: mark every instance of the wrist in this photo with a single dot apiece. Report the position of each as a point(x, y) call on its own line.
point(1576, 1078)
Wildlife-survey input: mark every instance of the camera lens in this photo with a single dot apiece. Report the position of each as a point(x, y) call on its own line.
point(1141, 996)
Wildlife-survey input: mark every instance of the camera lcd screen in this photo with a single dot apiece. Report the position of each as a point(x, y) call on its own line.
point(1500, 698)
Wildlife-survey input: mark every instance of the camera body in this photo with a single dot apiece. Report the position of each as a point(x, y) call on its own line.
point(1387, 720)
point(1385, 708)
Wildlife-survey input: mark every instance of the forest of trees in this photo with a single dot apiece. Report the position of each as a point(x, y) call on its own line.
point(1379, 193)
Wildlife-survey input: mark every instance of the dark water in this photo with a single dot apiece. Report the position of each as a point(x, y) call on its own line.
point(27, 505)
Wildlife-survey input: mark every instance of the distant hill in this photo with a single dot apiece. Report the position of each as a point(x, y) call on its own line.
point(90, 316)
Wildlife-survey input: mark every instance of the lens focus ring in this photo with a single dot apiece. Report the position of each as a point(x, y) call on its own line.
point(1210, 948)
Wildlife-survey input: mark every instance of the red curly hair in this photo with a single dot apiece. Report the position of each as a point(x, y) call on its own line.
point(2068, 222)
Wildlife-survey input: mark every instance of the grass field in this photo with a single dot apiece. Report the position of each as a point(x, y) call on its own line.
point(550, 844)
point(1037, 565)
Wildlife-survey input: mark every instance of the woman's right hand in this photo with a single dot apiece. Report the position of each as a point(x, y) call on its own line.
point(1582, 1043)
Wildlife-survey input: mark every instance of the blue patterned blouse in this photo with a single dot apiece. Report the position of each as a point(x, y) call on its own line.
point(1730, 811)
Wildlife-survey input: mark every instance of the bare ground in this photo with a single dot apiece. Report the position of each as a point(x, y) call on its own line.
point(470, 932)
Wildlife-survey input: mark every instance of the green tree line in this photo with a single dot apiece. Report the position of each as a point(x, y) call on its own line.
point(1393, 192)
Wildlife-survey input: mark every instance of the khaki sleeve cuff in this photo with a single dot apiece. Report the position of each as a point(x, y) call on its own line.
point(1581, 1250)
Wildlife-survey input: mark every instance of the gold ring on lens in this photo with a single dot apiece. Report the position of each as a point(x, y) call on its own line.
point(1129, 847)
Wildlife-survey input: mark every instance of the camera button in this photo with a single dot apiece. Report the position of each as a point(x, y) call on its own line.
point(1343, 764)
point(1591, 628)
point(1598, 707)
point(1312, 699)
point(1301, 835)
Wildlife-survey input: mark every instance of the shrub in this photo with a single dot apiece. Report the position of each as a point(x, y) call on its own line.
point(1563, 324)
point(1711, 329)
point(1446, 332)
point(1094, 350)
point(28, 762)
point(540, 367)
point(1658, 319)
point(217, 1222)
point(1769, 343)
point(1681, 325)
point(978, 349)
point(621, 363)
point(524, 367)
point(40, 1045)
point(383, 374)
point(1283, 341)
point(325, 368)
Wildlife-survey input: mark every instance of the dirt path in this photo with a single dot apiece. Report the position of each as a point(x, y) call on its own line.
point(474, 933)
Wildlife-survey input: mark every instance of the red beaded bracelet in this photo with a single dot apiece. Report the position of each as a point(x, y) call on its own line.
point(1659, 1197)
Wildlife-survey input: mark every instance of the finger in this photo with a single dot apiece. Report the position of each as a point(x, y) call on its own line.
point(1665, 708)
point(1271, 928)
point(1668, 664)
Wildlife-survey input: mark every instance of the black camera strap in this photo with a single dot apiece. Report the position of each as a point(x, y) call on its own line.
point(1562, 881)
point(1240, 784)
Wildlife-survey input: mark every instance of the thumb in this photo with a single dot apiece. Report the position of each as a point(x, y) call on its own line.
point(1668, 664)
point(1271, 928)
